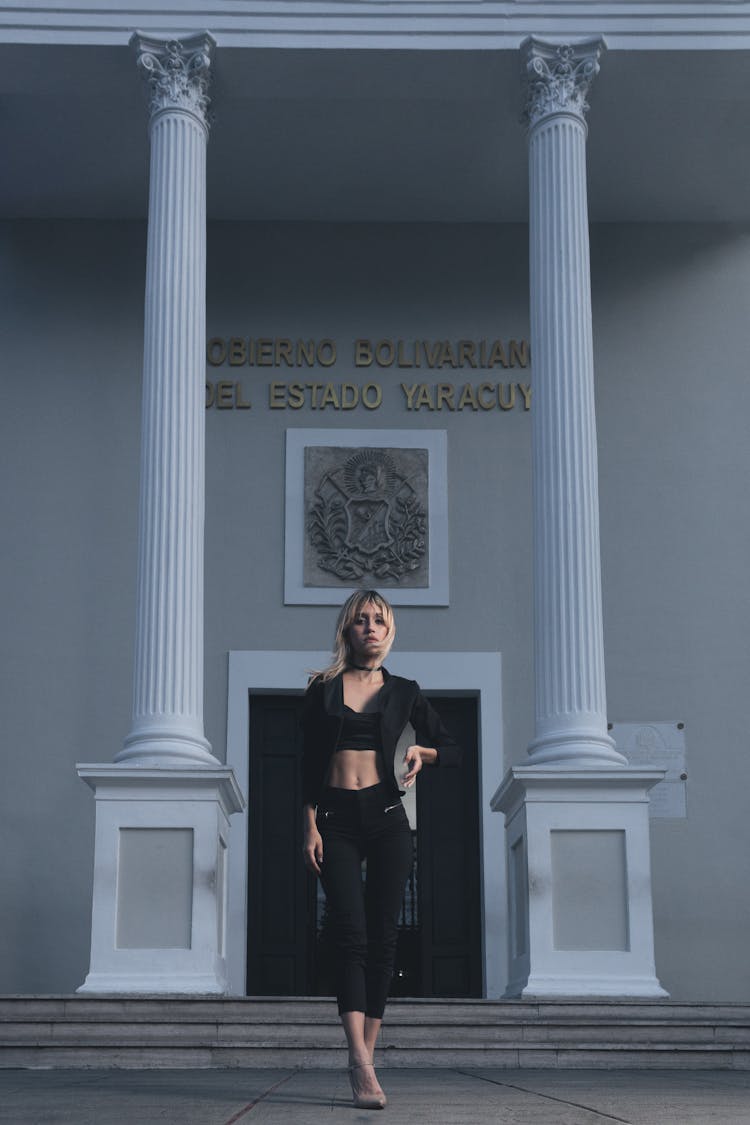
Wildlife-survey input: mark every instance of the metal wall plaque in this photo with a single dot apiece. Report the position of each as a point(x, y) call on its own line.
point(366, 513)
point(660, 746)
point(366, 508)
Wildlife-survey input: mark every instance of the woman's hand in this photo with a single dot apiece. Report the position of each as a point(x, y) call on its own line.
point(414, 759)
point(312, 849)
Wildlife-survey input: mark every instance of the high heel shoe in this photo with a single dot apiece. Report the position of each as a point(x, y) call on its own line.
point(365, 1101)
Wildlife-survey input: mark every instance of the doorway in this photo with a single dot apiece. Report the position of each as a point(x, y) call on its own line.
point(440, 947)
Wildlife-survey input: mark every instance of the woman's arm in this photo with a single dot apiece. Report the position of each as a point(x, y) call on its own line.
point(416, 757)
point(432, 734)
point(310, 723)
point(312, 848)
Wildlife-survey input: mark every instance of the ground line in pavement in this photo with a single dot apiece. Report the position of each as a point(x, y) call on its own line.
point(261, 1097)
point(550, 1097)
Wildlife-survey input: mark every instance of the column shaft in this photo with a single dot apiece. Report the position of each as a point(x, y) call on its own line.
point(168, 677)
point(571, 721)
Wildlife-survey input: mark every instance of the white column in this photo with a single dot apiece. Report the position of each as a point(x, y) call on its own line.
point(159, 908)
point(167, 725)
point(577, 829)
point(571, 717)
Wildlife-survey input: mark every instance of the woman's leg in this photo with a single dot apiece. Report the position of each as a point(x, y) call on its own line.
point(361, 1071)
point(341, 876)
point(389, 861)
point(372, 1030)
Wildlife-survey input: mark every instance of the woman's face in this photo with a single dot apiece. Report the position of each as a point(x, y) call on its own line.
point(367, 632)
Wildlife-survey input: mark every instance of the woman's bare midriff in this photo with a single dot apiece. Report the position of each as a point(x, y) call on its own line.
point(354, 769)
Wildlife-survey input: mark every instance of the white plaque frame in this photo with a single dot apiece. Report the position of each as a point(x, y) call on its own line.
point(436, 592)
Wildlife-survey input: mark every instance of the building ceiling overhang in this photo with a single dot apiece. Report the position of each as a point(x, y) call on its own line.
point(414, 24)
point(377, 132)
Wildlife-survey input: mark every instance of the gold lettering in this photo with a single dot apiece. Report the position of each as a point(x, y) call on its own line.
point(377, 398)
point(210, 395)
point(445, 395)
point(497, 355)
point(239, 402)
point(314, 388)
point(306, 352)
point(433, 353)
point(276, 392)
point(330, 398)
point(384, 353)
point(264, 353)
point(467, 398)
point(525, 390)
point(424, 397)
point(216, 351)
point(401, 359)
point(284, 351)
point(296, 396)
point(362, 353)
point(448, 357)
point(346, 402)
point(501, 401)
point(237, 351)
point(485, 405)
point(519, 353)
point(409, 392)
point(326, 353)
point(466, 353)
point(224, 395)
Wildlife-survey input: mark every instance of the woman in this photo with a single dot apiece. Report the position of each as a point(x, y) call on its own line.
point(354, 715)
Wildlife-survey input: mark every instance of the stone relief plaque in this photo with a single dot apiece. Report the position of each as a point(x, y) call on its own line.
point(366, 508)
point(366, 517)
point(660, 746)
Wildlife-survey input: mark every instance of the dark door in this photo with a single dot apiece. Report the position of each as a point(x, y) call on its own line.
point(448, 863)
point(439, 950)
point(281, 895)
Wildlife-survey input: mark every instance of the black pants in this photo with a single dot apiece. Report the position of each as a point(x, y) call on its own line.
point(359, 824)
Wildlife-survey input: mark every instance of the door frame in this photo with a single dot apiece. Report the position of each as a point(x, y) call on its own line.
point(450, 673)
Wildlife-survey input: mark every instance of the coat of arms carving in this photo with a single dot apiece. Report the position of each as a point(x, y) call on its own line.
point(366, 516)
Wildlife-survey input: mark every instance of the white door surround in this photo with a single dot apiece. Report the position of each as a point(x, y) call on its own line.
point(452, 673)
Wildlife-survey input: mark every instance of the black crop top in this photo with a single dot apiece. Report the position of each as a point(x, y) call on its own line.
point(360, 731)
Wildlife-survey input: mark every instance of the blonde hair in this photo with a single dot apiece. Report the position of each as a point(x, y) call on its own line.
point(350, 610)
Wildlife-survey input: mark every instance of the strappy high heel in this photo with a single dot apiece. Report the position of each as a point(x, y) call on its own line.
point(365, 1101)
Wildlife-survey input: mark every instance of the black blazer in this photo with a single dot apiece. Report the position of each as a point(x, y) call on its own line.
point(401, 702)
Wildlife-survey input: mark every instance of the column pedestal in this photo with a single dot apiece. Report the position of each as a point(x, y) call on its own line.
point(577, 815)
point(160, 878)
point(579, 882)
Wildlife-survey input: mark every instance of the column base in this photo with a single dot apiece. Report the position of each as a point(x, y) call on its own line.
point(580, 912)
point(160, 879)
point(576, 750)
point(152, 745)
point(586, 986)
point(154, 984)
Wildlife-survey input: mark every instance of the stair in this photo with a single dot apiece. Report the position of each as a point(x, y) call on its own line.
point(160, 1032)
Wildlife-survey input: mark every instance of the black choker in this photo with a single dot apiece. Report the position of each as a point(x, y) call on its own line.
point(363, 667)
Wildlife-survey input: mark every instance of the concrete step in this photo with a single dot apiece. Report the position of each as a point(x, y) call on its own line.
point(154, 1032)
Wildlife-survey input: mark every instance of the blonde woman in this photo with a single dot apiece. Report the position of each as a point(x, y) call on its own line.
point(355, 713)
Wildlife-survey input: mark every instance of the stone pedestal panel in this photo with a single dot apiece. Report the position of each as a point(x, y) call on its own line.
point(580, 912)
point(160, 878)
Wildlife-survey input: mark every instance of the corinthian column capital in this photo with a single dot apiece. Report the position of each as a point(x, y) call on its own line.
point(177, 72)
point(557, 77)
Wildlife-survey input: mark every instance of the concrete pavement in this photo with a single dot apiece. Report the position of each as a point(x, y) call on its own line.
point(437, 1097)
